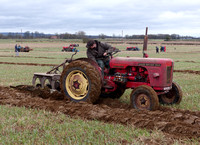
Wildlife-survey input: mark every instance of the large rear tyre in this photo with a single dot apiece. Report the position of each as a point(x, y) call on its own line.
point(174, 96)
point(80, 81)
point(144, 98)
point(115, 94)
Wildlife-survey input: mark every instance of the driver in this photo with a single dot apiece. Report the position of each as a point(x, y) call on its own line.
point(98, 52)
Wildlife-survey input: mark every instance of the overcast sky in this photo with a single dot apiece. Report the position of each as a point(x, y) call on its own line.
point(94, 17)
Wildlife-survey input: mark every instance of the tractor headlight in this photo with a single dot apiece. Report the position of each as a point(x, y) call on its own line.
point(167, 88)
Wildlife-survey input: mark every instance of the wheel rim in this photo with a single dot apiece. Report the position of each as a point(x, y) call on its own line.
point(77, 84)
point(142, 102)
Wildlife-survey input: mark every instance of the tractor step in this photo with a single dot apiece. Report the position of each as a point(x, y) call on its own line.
point(52, 78)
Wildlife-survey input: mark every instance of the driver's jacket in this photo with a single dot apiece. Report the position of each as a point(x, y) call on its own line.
point(97, 53)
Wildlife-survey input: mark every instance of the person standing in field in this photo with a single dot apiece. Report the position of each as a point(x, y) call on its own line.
point(16, 48)
point(157, 49)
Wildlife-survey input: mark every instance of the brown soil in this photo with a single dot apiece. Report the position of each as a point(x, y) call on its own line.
point(27, 56)
point(34, 64)
point(37, 64)
point(187, 61)
point(172, 122)
point(188, 71)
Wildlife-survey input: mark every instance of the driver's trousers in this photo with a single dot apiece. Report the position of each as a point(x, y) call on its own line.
point(102, 64)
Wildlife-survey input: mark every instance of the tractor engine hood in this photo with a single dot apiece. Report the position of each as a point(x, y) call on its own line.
point(123, 62)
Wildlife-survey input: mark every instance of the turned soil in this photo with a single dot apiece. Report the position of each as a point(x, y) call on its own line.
point(172, 122)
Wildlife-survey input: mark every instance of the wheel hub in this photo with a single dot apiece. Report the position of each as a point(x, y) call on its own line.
point(77, 84)
point(143, 101)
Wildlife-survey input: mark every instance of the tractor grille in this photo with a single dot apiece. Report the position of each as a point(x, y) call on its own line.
point(169, 69)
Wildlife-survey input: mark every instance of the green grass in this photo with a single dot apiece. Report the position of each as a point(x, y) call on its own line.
point(32, 126)
point(28, 126)
point(190, 84)
point(19, 74)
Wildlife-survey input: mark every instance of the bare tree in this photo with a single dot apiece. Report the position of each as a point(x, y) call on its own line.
point(81, 34)
point(102, 36)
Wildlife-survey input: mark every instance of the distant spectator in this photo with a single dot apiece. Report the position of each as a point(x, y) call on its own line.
point(157, 49)
point(16, 48)
point(162, 49)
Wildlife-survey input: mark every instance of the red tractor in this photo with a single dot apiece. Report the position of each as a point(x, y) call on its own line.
point(74, 45)
point(132, 49)
point(67, 48)
point(70, 48)
point(151, 81)
point(25, 49)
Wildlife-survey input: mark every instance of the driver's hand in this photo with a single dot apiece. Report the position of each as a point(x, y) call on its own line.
point(105, 53)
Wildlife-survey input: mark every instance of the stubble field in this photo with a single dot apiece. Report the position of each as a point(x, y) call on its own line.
point(30, 115)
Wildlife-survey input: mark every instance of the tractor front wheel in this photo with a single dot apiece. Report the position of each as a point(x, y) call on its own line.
point(144, 98)
point(174, 96)
point(80, 81)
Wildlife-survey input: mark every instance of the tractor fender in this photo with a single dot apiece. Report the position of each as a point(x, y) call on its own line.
point(94, 63)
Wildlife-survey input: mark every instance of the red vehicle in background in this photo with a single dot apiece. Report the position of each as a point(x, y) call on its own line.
point(70, 48)
point(133, 49)
point(74, 45)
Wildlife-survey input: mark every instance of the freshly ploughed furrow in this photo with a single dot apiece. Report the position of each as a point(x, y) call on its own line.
point(178, 123)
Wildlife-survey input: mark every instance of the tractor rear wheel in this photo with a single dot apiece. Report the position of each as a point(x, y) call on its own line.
point(115, 94)
point(174, 96)
point(144, 98)
point(80, 81)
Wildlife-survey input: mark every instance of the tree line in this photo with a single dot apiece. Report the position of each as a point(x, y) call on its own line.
point(25, 35)
point(82, 35)
point(36, 34)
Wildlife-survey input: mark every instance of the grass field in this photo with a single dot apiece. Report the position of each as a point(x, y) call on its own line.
point(28, 126)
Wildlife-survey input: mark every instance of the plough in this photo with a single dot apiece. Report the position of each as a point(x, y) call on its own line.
point(53, 76)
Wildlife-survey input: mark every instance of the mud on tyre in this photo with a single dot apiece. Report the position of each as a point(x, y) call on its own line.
point(80, 81)
point(174, 96)
point(144, 98)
